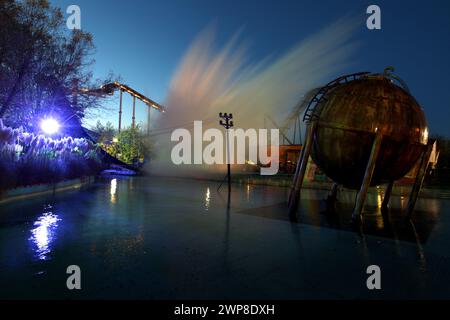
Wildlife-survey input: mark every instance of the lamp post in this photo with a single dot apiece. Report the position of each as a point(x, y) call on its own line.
point(227, 125)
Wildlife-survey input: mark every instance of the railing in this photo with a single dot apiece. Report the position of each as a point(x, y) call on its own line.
point(312, 113)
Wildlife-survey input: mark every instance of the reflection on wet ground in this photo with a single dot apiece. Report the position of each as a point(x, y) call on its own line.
point(43, 233)
point(391, 225)
point(161, 238)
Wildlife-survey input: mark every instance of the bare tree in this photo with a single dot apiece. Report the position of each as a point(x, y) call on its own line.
point(42, 64)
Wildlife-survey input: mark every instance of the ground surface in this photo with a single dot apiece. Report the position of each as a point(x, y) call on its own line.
point(176, 239)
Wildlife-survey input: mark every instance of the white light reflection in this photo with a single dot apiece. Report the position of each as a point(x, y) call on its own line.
point(113, 190)
point(43, 233)
point(402, 202)
point(379, 216)
point(207, 199)
point(379, 201)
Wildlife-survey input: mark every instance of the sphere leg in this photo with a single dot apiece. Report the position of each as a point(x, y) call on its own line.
point(387, 197)
point(300, 171)
point(361, 197)
point(332, 197)
point(419, 180)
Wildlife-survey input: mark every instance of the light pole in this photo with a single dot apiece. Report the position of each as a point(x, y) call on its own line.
point(227, 125)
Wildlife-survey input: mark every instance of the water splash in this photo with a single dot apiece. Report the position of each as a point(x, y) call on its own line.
point(209, 82)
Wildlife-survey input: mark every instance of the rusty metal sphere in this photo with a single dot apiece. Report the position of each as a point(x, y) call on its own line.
point(348, 115)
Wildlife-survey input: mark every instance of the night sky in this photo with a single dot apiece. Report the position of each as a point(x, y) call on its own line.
point(143, 41)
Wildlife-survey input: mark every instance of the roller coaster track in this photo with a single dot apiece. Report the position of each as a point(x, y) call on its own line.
point(109, 89)
point(312, 113)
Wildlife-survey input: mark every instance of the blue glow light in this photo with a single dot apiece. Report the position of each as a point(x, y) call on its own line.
point(50, 126)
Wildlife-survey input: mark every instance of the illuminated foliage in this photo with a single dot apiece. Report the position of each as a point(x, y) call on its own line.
point(132, 146)
point(29, 159)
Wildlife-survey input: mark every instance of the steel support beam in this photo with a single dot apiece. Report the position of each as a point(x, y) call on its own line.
point(420, 177)
point(332, 198)
point(300, 171)
point(120, 111)
point(361, 197)
point(149, 118)
point(134, 113)
point(387, 197)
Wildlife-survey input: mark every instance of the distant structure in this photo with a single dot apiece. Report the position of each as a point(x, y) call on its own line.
point(291, 132)
point(364, 130)
point(110, 88)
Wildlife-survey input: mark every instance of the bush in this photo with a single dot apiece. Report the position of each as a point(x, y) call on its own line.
point(131, 146)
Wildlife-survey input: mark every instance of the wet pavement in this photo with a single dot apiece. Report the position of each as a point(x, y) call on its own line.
point(167, 238)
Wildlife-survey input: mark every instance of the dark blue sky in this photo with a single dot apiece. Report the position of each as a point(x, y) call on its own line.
point(143, 41)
